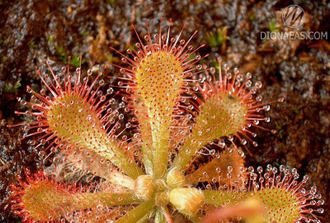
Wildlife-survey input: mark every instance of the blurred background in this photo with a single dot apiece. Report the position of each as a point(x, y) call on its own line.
point(32, 32)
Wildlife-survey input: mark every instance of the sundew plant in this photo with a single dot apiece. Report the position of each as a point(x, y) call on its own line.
point(171, 151)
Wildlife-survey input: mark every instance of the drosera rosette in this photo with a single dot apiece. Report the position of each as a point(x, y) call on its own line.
point(281, 191)
point(76, 118)
point(150, 175)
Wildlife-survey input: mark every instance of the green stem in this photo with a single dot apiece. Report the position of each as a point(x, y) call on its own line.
point(159, 218)
point(160, 150)
point(110, 199)
point(137, 213)
point(145, 219)
point(145, 131)
point(147, 158)
point(146, 148)
point(120, 159)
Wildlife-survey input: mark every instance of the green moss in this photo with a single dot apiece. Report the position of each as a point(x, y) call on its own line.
point(61, 54)
point(10, 88)
point(218, 38)
point(252, 17)
point(50, 39)
point(31, 43)
point(274, 26)
point(76, 61)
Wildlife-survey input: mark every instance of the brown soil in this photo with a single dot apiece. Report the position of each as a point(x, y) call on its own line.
point(32, 31)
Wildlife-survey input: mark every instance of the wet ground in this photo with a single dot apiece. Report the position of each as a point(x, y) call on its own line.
point(299, 70)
